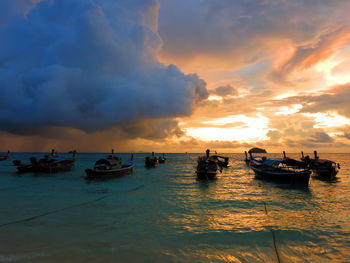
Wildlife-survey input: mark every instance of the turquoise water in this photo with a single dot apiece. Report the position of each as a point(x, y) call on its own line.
point(165, 215)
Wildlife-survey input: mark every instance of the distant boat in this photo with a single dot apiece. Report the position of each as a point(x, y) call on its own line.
point(162, 159)
point(281, 171)
point(151, 161)
point(5, 157)
point(51, 163)
point(109, 168)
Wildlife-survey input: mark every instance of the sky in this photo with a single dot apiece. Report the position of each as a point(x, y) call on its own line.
point(175, 76)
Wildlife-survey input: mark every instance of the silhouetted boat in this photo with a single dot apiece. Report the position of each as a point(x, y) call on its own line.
point(26, 168)
point(322, 168)
point(222, 160)
point(161, 159)
point(55, 165)
point(108, 168)
point(207, 167)
point(51, 163)
point(151, 161)
point(281, 170)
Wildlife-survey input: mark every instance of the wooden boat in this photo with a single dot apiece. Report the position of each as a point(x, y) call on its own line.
point(51, 163)
point(5, 157)
point(222, 160)
point(114, 158)
point(161, 159)
point(151, 161)
point(207, 168)
point(281, 171)
point(26, 168)
point(322, 168)
point(109, 168)
point(249, 158)
point(54, 164)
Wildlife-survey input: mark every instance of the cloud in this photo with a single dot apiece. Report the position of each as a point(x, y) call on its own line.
point(66, 138)
point(274, 135)
point(89, 65)
point(321, 137)
point(14, 10)
point(306, 56)
point(226, 90)
point(244, 32)
point(336, 99)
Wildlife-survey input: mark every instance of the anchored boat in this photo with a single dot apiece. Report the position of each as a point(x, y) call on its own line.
point(108, 168)
point(281, 171)
point(51, 163)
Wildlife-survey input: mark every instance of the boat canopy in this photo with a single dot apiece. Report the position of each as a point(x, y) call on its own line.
point(105, 162)
point(293, 162)
point(274, 162)
point(257, 150)
point(287, 161)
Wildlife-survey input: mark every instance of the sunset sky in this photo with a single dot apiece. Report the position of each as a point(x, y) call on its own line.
point(175, 75)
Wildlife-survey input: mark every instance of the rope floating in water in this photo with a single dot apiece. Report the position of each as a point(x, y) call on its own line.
point(273, 239)
point(52, 212)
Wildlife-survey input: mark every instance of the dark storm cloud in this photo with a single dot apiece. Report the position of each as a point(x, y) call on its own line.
point(12, 10)
point(89, 65)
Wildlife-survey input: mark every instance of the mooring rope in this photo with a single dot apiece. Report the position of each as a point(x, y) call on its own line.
point(274, 239)
point(65, 208)
point(52, 212)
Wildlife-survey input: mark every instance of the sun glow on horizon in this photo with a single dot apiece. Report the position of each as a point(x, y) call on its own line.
point(251, 129)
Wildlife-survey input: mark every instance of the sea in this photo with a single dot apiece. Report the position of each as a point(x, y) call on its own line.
point(165, 214)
